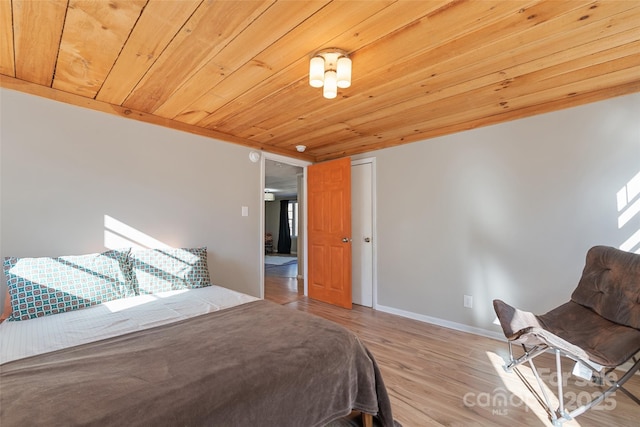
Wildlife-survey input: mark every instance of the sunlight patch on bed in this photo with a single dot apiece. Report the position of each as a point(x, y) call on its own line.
point(48, 277)
point(125, 303)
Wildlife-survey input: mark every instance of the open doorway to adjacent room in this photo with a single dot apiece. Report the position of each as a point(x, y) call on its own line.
point(283, 226)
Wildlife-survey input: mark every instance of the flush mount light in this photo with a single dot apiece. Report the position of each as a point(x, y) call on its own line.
point(330, 69)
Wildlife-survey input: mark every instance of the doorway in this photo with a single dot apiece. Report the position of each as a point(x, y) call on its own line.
point(282, 286)
point(283, 254)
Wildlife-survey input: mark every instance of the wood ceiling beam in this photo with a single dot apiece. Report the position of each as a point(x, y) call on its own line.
point(72, 99)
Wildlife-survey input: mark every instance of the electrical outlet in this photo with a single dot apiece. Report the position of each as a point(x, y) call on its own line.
point(468, 301)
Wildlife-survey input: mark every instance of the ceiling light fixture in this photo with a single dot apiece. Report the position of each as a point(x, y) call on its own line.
point(330, 69)
point(269, 197)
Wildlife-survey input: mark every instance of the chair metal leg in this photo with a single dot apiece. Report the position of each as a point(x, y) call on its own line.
point(540, 393)
point(615, 386)
point(560, 415)
point(528, 355)
point(547, 403)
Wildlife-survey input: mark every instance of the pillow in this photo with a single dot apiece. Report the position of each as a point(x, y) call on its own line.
point(167, 269)
point(43, 286)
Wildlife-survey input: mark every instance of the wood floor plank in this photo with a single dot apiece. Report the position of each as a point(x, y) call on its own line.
point(441, 377)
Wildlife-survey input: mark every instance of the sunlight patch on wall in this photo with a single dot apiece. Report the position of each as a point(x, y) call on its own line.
point(120, 235)
point(632, 242)
point(156, 266)
point(487, 277)
point(628, 202)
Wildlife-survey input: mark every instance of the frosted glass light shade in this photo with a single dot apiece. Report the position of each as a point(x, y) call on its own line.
point(316, 71)
point(330, 89)
point(343, 72)
point(330, 69)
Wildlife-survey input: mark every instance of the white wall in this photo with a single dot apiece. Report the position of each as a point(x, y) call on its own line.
point(506, 211)
point(63, 168)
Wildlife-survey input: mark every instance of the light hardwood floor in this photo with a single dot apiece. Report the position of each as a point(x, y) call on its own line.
point(441, 377)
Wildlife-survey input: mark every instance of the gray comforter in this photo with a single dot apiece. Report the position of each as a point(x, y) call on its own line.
point(257, 364)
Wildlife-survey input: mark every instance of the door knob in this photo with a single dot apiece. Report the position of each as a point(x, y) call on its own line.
point(367, 239)
point(345, 239)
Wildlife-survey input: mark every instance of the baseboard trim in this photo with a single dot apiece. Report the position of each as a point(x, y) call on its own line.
point(463, 328)
point(441, 322)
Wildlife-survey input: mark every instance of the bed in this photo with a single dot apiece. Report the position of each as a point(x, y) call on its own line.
point(205, 356)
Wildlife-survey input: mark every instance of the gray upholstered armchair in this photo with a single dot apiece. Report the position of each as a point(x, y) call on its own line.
point(599, 328)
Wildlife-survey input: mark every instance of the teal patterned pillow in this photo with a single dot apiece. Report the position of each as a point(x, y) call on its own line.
point(44, 286)
point(167, 269)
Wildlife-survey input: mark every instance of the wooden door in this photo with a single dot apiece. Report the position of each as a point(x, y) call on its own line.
point(329, 231)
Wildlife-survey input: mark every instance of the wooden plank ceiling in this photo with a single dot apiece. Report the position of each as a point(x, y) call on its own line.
point(237, 70)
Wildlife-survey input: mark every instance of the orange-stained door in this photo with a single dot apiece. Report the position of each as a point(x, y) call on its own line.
point(329, 231)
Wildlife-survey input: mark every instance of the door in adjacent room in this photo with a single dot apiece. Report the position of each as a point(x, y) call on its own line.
point(329, 232)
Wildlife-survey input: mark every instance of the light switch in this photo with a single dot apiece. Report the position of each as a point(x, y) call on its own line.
point(245, 211)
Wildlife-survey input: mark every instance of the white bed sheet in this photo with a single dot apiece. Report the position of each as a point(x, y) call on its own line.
point(26, 338)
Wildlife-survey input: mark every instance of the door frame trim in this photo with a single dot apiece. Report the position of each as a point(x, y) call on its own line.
point(294, 162)
point(374, 230)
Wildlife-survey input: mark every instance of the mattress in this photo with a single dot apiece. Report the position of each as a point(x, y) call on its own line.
point(21, 339)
